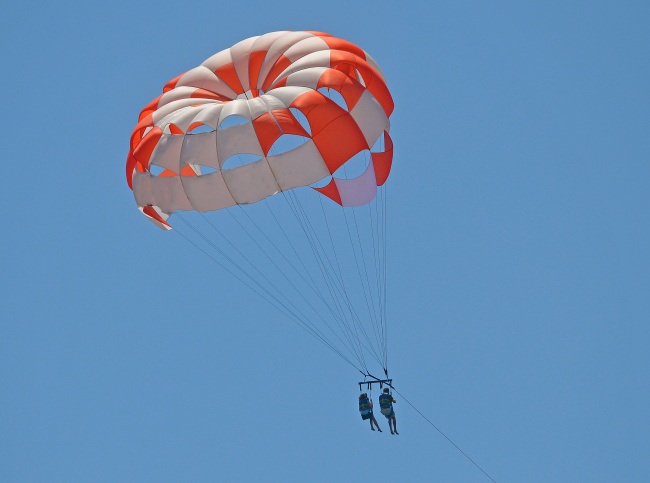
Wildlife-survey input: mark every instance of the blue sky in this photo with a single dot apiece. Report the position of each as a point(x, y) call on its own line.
point(518, 235)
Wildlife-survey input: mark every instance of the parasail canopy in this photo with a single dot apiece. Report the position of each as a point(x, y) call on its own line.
point(242, 101)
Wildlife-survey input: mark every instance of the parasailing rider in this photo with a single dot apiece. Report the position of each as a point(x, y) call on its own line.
point(365, 408)
point(386, 401)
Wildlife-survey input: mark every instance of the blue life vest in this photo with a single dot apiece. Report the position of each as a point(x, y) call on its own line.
point(385, 401)
point(364, 405)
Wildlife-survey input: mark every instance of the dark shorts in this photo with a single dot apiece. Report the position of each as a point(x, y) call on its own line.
point(366, 416)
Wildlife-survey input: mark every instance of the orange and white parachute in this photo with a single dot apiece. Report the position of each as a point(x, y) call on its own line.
point(291, 109)
point(180, 147)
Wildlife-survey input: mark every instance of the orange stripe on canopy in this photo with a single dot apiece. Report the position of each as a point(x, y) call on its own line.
point(339, 141)
point(282, 63)
point(339, 81)
point(270, 126)
point(229, 75)
point(254, 65)
point(151, 212)
point(142, 153)
point(331, 191)
point(383, 161)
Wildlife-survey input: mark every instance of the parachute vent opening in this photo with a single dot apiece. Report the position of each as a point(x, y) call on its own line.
point(355, 166)
point(286, 143)
point(156, 170)
point(203, 170)
point(379, 146)
point(335, 96)
point(322, 183)
point(239, 160)
point(301, 118)
point(233, 120)
point(200, 129)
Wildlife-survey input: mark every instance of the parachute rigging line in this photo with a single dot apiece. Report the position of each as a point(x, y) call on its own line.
point(262, 291)
point(443, 434)
point(320, 255)
point(317, 292)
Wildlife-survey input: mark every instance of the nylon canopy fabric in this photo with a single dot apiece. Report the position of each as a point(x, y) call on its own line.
point(180, 148)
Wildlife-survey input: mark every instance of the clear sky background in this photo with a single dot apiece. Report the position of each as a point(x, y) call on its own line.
point(518, 263)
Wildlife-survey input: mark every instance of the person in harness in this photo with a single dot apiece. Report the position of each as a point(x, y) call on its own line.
point(386, 401)
point(365, 408)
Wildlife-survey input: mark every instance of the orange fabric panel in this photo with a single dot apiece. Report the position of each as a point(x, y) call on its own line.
point(271, 125)
point(130, 166)
point(149, 211)
point(168, 173)
point(318, 34)
point(206, 94)
point(228, 74)
point(331, 191)
point(340, 57)
point(379, 90)
point(340, 44)
point(139, 129)
point(149, 108)
point(371, 77)
point(288, 123)
point(187, 170)
point(349, 89)
point(267, 131)
point(281, 64)
point(174, 129)
point(339, 140)
point(172, 83)
point(142, 152)
point(319, 110)
point(383, 161)
point(254, 65)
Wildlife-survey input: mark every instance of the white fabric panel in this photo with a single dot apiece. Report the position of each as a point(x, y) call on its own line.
point(252, 182)
point(163, 191)
point(159, 115)
point(183, 118)
point(239, 139)
point(218, 60)
point(370, 117)
point(264, 42)
point(301, 166)
point(207, 192)
point(204, 78)
point(168, 152)
point(200, 149)
point(306, 78)
point(182, 92)
point(315, 59)
point(375, 65)
point(240, 53)
point(277, 49)
point(287, 95)
point(358, 191)
point(257, 107)
point(238, 107)
point(304, 47)
point(209, 114)
point(271, 102)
